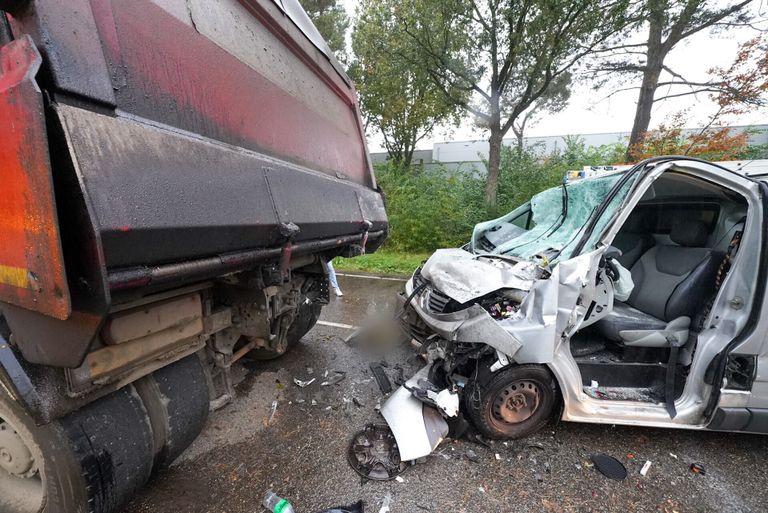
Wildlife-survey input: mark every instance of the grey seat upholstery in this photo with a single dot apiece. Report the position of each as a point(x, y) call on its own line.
point(632, 246)
point(671, 281)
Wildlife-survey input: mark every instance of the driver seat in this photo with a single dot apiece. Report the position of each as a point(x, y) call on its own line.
point(672, 283)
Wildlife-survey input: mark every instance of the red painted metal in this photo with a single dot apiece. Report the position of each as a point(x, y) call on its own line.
point(31, 262)
point(164, 70)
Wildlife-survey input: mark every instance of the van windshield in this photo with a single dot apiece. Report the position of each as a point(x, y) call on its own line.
point(557, 220)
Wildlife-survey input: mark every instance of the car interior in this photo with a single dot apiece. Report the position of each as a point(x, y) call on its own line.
point(676, 244)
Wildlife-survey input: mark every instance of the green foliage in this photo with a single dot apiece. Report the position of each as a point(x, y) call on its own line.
point(382, 262)
point(429, 209)
point(397, 95)
point(439, 207)
point(331, 20)
point(755, 152)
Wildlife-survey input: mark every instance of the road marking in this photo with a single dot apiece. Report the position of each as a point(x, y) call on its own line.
point(337, 325)
point(369, 277)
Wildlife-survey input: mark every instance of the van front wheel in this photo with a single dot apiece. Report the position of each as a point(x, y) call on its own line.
point(513, 403)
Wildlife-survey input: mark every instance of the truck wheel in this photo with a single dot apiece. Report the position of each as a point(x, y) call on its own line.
point(513, 403)
point(305, 320)
point(177, 399)
point(92, 461)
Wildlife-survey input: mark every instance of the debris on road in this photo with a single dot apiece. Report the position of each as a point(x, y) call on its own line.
point(386, 503)
point(698, 468)
point(354, 508)
point(446, 400)
point(644, 470)
point(303, 384)
point(472, 456)
point(275, 503)
point(272, 413)
point(399, 479)
point(381, 378)
point(373, 454)
point(336, 378)
point(358, 402)
point(610, 467)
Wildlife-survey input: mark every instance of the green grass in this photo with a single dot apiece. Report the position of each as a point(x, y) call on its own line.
point(382, 262)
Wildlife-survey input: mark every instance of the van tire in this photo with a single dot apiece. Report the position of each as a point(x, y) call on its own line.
point(512, 403)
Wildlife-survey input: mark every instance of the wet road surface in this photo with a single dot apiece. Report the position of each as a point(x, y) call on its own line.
point(301, 451)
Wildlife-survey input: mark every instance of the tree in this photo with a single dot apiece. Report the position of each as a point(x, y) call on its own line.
point(666, 23)
point(505, 53)
point(554, 100)
point(710, 143)
point(331, 21)
point(397, 96)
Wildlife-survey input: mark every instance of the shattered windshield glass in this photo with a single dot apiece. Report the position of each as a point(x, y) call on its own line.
point(558, 218)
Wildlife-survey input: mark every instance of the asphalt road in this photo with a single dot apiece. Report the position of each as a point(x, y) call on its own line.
point(301, 451)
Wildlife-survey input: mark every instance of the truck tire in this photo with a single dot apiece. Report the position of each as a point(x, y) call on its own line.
point(177, 399)
point(305, 320)
point(92, 461)
point(513, 403)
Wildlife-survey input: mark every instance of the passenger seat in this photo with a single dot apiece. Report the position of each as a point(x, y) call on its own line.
point(672, 283)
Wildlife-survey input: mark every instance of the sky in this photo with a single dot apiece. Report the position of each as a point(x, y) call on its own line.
point(592, 112)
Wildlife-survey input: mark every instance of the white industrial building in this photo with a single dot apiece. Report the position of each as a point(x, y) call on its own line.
point(469, 155)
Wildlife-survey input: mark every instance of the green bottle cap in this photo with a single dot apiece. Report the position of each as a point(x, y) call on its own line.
point(283, 504)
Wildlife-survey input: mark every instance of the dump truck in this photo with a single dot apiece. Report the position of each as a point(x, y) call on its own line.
point(174, 176)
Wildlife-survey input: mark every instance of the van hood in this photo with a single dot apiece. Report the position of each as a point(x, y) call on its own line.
point(463, 276)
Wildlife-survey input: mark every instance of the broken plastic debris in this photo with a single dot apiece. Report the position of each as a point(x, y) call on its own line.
point(354, 508)
point(471, 456)
point(337, 377)
point(673, 455)
point(272, 414)
point(610, 467)
point(381, 378)
point(644, 470)
point(447, 401)
point(594, 384)
point(303, 384)
point(399, 479)
point(698, 468)
point(386, 503)
point(498, 456)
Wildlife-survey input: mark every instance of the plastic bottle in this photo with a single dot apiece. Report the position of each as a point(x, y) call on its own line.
point(276, 504)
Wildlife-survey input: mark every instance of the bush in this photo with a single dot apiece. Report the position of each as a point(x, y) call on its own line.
point(438, 207)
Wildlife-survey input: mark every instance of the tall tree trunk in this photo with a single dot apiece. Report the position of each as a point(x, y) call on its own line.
point(655, 61)
point(494, 163)
point(644, 106)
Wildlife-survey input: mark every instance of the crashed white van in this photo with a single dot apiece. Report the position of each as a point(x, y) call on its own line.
point(628, 298)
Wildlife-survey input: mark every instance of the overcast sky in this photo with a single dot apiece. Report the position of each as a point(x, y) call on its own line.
point(590, 112)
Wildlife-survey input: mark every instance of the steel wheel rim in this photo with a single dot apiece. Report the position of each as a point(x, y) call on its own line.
point(21, 481)
point(516, 402)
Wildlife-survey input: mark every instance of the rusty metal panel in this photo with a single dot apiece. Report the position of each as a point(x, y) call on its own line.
point(31, 262)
